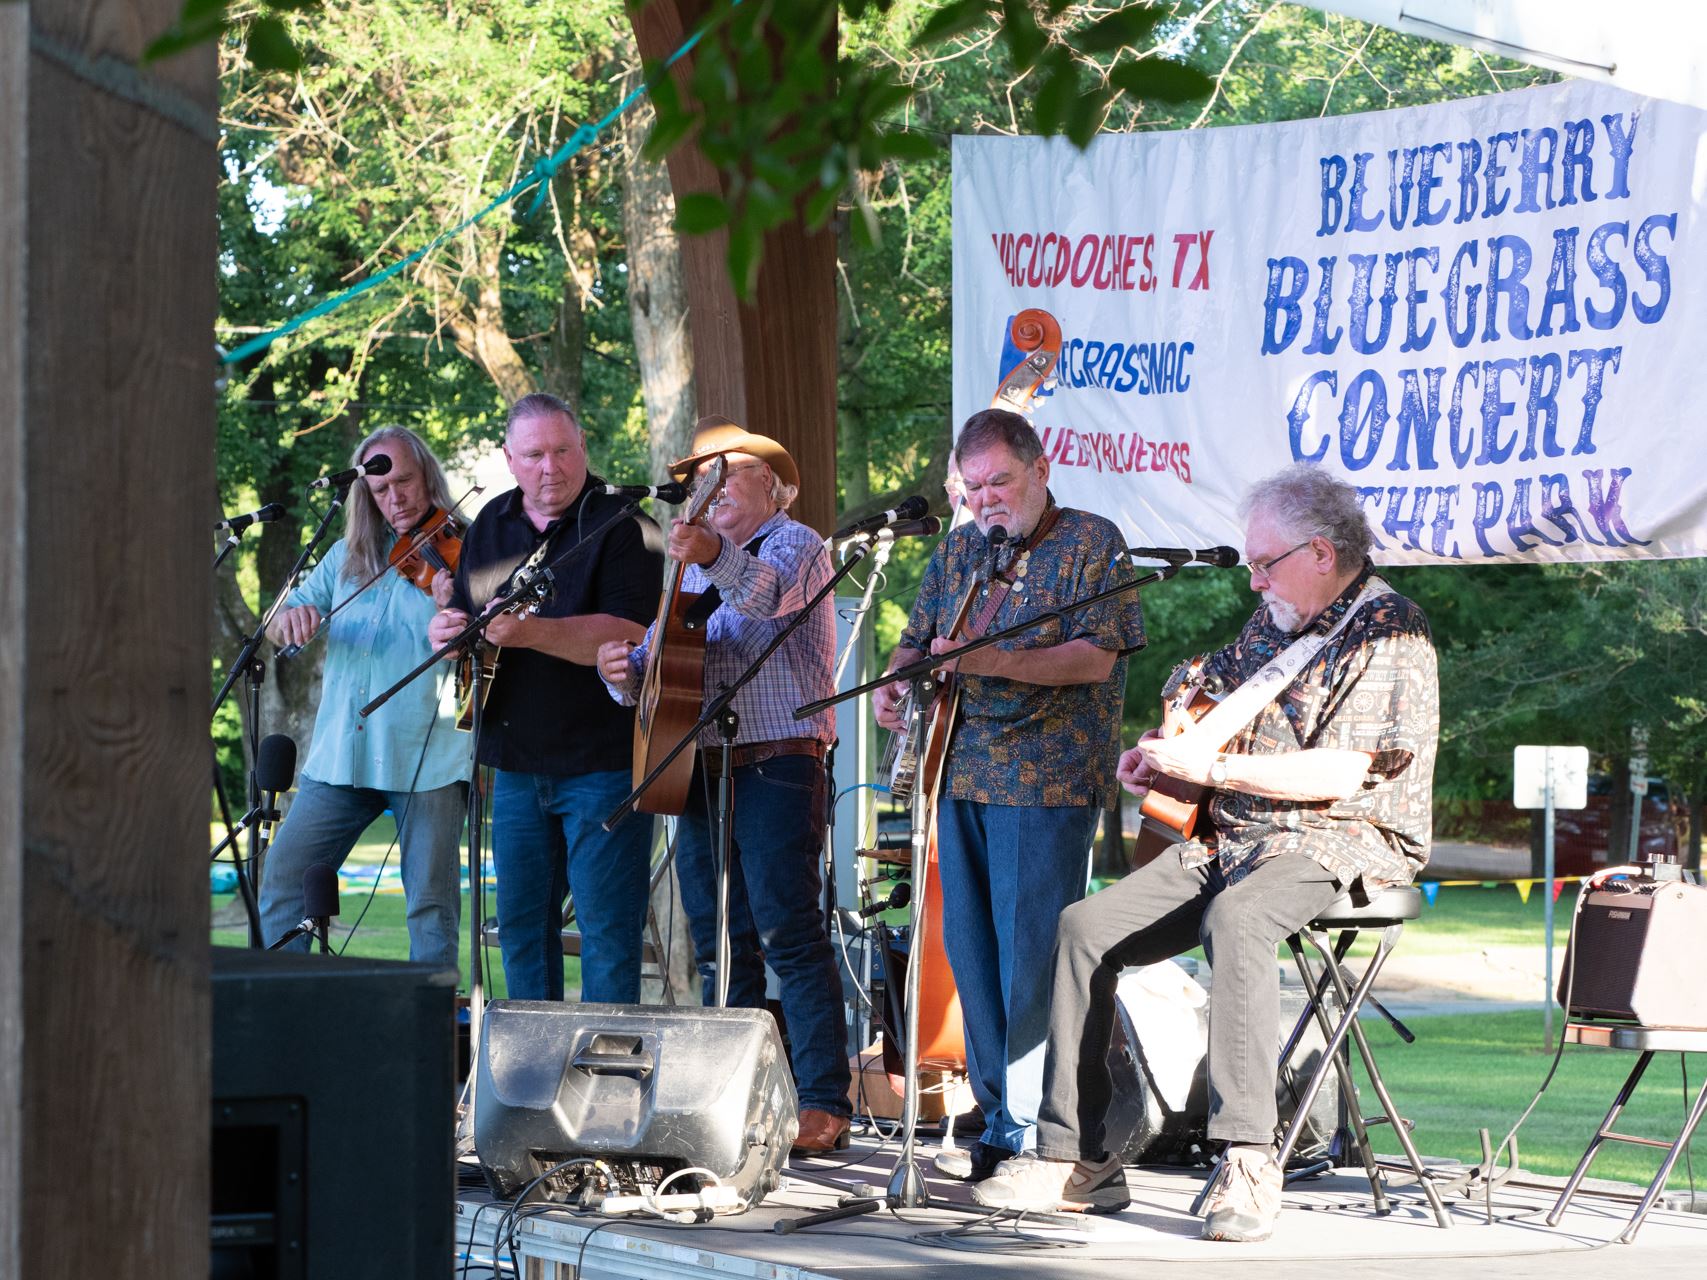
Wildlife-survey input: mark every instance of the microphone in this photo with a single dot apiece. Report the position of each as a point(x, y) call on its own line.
point(377, 465)
point(997, 537)
point(899, 896)
point(672, 491)
point(929, 527)
point(1220, 557)
point(266, 515)
point(320, 901)
point(275, 762)
point(319, 905)
point(913, 508)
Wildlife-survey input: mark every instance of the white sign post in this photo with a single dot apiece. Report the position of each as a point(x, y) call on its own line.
point(1549, 778)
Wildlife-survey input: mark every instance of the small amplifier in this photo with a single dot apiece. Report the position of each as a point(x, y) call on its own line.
point(1638, 954)
point(645, 1091)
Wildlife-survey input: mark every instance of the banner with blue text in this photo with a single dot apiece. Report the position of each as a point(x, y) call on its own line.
point(1489, 315)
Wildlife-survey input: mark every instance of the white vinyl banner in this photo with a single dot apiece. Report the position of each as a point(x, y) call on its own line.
point(1489, 315)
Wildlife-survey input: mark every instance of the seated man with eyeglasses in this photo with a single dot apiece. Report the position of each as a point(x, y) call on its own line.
point(1327, 784)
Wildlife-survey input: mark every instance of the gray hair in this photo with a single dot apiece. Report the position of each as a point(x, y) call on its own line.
point(539, 404)
point(990, 427)
point(1307, 502)
point(782, 493)
point(366, 533)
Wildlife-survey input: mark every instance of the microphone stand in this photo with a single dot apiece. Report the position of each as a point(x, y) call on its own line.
point(252, 669)
point(720, 711)
point(540, 583)
point(907, 1186)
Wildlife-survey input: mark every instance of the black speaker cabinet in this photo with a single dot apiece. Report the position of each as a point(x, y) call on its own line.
point(646, 1090)
point(1638, 954)
point(333, 1117)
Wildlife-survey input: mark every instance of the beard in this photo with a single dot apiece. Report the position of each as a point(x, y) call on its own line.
point(1289, 618)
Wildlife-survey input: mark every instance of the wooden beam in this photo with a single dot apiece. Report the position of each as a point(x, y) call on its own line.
point(107, 302)
point(770, 364)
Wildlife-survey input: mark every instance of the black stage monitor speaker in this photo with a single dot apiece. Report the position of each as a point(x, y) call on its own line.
point(333, 1117)
point(1638, 954)
point(645, 1090)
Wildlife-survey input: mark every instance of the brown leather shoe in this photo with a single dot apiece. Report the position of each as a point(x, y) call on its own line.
point(820, 1131)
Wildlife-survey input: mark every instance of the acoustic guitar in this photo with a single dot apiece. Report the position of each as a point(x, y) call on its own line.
point(1173, 807)
point(673, 688)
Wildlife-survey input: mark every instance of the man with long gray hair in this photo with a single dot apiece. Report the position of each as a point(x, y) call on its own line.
point(407, 756)
point(1328, 785)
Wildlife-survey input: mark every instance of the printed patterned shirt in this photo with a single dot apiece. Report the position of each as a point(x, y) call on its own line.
point(760, 595)
point(1371, 688)
point(1030, 744)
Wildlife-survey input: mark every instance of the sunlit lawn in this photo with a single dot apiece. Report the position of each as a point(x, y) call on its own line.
point(372, 925)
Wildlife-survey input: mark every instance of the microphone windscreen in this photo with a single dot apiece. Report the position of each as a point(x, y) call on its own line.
point(319, 891)
point(275, 762)
point(996, 535)
point(379, 464)
point(1220, 557)
point(914, 508)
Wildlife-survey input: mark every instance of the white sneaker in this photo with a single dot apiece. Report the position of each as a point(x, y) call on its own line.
point(1029, 1182)
point(1247, 1198)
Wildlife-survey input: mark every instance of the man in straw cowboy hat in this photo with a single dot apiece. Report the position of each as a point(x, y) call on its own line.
point(764, 566)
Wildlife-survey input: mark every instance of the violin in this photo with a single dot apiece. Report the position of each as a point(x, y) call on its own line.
point(433, 545)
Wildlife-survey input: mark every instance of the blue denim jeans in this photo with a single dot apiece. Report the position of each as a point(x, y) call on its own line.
point(546, 844)
point(323, 825)
point(775, 913)
point(1007, 873)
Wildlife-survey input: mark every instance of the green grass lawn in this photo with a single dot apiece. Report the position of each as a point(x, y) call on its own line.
point(1465, 1072)
point(382, 933)
point(1479, 1070)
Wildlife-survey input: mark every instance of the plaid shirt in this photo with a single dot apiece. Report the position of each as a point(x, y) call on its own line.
point(1371, 688)
point(760, 595)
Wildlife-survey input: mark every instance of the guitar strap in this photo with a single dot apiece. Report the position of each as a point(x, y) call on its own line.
point(697, 614)
point(1240, 707)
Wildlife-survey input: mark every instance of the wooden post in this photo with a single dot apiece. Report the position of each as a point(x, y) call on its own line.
point(107, 302)
point(769, 364)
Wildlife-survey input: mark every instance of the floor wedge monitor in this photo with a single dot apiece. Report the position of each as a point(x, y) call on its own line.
point(623, 1097)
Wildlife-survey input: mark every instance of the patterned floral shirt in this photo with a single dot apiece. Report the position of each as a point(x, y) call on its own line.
point(1371, 688)
point(1030, 744)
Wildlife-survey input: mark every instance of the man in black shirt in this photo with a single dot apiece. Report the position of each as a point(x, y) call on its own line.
point(561, 747)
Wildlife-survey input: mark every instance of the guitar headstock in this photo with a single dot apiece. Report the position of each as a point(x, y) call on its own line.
point(706, 488)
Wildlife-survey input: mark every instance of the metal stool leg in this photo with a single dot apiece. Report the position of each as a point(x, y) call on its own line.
point(1389, 936)
point(1333, 1053)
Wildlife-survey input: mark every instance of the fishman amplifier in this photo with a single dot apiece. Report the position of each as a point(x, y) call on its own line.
point(1638, 953)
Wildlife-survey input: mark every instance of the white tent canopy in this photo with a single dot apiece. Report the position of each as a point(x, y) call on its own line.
point(1650, 47)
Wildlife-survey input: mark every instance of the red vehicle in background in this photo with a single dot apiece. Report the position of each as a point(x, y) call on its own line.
point(1582, 838)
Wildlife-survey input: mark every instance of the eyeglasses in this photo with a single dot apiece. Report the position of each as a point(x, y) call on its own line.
point(1265, 568)
point(730, 473)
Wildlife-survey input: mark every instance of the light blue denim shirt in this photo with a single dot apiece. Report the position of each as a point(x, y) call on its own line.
point(412, 742)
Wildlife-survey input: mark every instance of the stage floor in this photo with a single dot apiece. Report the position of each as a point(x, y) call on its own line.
point(1330, 1219)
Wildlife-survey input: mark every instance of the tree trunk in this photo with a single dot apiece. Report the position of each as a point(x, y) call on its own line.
point(563, 349)
point(657, 299)
point(477, 324)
